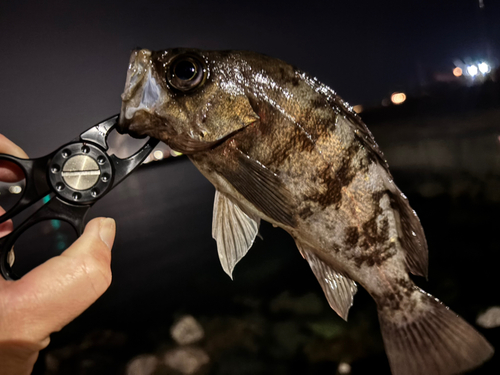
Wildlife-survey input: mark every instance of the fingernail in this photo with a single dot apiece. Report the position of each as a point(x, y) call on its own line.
point(107, 231)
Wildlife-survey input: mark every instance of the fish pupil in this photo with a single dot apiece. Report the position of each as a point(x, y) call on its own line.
point(185, 70)
point(186, 73)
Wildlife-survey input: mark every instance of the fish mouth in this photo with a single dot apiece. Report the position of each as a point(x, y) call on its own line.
point(143, 124)
point(130, 131)
point(127, 127)
point(141, 95)
point(138, 68)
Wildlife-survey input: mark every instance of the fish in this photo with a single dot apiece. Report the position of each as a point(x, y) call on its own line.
point(280, 146)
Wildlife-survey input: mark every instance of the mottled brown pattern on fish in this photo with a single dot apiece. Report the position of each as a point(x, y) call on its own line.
point(392, 300)
point(373, 152)
point(332, 181)
point(317, 125)
point(287, 75)
point(375, 256)
point(351, 236)
point(372, 243)
point(336, 248)
point(373, 233)
point(399, 298)
point(305, 212)
point(297, 141)
point(319, 102)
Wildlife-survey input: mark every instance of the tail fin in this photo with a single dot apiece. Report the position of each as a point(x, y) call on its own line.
point(431, 339)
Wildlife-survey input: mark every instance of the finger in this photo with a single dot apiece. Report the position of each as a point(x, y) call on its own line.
point(10, 148)
point(6, 227)
point(17, 358)
point(9, 172)
point(56, 292)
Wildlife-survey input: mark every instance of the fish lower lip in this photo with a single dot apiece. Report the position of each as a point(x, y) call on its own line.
point(133, 132)
point(136, 135)
point(122, 126)
point(128, 127)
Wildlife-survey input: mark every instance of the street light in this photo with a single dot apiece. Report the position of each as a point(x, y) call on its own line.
point(484, 68)
point(398, 97)
point(472, 70)
point(457, 72)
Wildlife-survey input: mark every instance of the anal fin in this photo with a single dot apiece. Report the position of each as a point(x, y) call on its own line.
point(339, 289)
point(234, 231)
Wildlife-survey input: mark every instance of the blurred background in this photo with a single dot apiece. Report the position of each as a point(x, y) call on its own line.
point(423, 75)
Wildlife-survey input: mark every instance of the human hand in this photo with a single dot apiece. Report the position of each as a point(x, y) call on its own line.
point(53, 294)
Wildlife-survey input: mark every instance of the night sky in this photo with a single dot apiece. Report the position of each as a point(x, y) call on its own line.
point(63, 65)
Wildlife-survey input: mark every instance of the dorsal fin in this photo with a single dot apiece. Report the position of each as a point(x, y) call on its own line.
point(234, 231)
point(410, 232)
point(339, 289)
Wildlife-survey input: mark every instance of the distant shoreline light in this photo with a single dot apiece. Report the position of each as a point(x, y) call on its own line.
point(472, 70)
point(457, 72)
point(481, 68)
point(484, 67)
point(398, 97)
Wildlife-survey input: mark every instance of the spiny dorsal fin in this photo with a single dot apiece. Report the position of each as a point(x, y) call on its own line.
point(233, 230)
point(338, 288)
point(410, 232)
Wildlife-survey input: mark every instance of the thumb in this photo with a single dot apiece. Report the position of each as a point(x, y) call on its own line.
point(57, 291)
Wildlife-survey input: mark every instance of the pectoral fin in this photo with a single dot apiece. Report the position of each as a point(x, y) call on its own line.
point(233, 230)
point(338, 288)
point(261, 187)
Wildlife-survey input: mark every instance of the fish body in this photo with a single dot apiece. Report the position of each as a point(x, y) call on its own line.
point(280, 146)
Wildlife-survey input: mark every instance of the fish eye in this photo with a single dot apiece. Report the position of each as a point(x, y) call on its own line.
point(186, 72)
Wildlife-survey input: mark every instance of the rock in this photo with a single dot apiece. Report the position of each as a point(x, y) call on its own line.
point(187, 360)
point(144, 364)
point(187, 331)
point(490, 318)
point(344, 368)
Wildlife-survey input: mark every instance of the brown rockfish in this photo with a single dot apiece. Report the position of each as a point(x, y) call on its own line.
point(280, 146)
